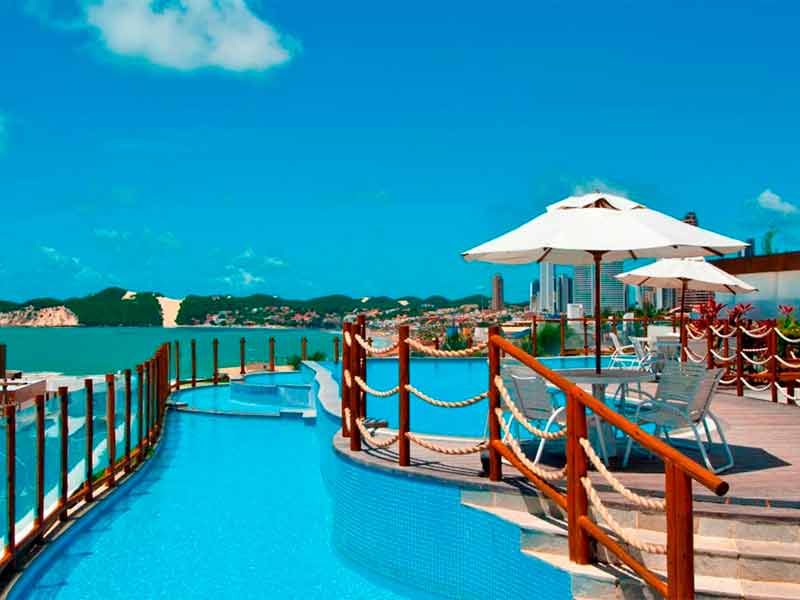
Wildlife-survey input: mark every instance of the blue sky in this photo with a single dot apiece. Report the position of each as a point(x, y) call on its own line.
point(301, 149)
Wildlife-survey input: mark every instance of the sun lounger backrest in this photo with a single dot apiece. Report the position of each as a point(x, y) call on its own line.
point(704, 393)
point(532, 396)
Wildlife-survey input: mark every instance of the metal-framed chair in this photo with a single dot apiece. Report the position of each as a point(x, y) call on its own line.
point(683, 400)
point(623, 357)
point(536, 402)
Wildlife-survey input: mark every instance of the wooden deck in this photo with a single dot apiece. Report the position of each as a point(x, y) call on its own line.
point(764, 483)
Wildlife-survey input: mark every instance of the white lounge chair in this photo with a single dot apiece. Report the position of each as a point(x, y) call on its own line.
point(537, 404)
point(683, 400)
point(623, 357)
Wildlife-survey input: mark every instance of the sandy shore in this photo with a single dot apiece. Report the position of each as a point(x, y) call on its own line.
point(169, 310)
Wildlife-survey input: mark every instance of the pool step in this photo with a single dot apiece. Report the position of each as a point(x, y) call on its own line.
point(762, 561)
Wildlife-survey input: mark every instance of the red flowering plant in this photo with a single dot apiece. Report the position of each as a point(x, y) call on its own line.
point(788, 324)
point(709, 311)
point(736, 313)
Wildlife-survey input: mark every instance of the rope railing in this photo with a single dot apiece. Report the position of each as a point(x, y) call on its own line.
point(721, 358)
point(626, 535)
point(785, 363)
point(785, 393)
point(511, 442)
point(451, 450)
point(754, 362)
point(754, 333)
point(520, 418)
point(445, 404)
point(695, 358)
point(367, 436)
point(786, 338)
point(418, 346)
point(372, 391)
point(616, 484)
point(374, 350)
point(718, 332)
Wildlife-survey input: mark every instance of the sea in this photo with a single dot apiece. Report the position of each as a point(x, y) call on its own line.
point(100, 350)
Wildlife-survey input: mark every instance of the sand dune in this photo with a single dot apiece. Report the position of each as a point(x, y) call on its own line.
point(169, 310)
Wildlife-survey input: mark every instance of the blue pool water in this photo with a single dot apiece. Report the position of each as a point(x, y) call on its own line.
point(259, 508)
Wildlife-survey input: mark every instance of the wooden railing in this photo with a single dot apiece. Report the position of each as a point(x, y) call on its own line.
point(573, 498)
point(153, 383)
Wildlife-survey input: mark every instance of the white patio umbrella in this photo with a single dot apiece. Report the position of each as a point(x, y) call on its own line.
point(596, 228)
point(686, 274)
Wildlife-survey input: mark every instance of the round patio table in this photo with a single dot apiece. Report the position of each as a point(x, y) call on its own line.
point(600, 381)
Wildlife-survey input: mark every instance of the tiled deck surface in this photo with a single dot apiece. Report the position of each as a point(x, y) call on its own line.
point(764, 483)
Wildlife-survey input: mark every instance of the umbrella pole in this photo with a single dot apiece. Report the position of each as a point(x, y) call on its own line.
point(682, 330)
point(598, 319)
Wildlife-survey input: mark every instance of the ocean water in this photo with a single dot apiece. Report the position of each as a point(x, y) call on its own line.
point(91, 350)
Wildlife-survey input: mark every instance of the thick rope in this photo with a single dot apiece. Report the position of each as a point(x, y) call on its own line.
point(375, 351)
point(728, 381)
point(721, 358)
point(628, 536)
point(752, 361)
point(718, 332)
point(454, 451)
point(785, 338)
point(787, 364)
point(786, 394)
point(753, 333)
point(694, 333)
point(615, 483)
point(754, 388)
point(511, 442)
point(347, 340)
point(367, 436)
point(547, 435)
point(433, 401)
point(695, 358)
point(372, 391)
point(420, 347)
point(347, 379)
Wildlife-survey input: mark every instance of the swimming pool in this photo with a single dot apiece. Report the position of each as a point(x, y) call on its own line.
point(224, 511)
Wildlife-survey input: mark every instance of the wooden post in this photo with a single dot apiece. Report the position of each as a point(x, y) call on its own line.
point(344, 390)
point(353, 392)
point(63, 396)
point(436, 342)
point(177, 366)
point(40, 462)
point(215, 345)
point(645, 325)
point(11, 474)
point(241, 356)
point(739, 362)
point(585, 337)
point(709, 347)
point(140, 411)
point(3, 362)
point(680, 534)
point(773, 352)
point(563, 340)
point(404, 378)
point(303, 348)
point(111, 434)
point(148, 413)
point(577, 500)
point(336, 350)
point(128, 420)
point(534, 333)
point(194, 363)
point(89, 385)
point(495, 460)
point(271, 353)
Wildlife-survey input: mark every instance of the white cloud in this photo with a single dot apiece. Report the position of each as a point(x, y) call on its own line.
point(70, 264)
point(597, 185)
point(239, 277)
point(769, 200)
point(188, 34)
point(110, 234)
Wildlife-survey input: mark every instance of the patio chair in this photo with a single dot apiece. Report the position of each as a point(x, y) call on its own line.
point(623, 357)
point(683, 400)
point(537, 404)
point(645, 357)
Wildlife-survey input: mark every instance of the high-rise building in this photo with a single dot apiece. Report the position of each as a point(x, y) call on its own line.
point(497, 293)
point(694, 297)
point(547, 288)
point(563, 292)
point(749, 251)
point(612, 291)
